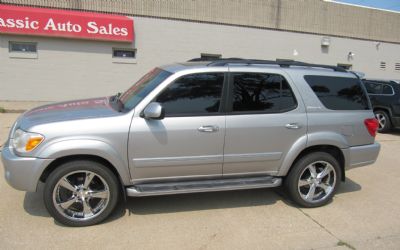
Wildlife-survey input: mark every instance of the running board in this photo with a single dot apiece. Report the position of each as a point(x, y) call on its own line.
point(151, 189)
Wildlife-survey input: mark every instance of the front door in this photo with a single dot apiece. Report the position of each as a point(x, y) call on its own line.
point(188, 142)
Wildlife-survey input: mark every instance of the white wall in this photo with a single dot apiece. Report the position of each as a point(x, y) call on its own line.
point(70, 69)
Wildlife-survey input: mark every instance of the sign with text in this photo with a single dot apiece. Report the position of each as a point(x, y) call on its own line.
point(65, 23)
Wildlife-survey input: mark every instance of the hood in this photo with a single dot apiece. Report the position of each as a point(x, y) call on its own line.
point(67, 111)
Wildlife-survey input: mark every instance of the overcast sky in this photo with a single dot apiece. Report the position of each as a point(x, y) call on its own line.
point(381, 4)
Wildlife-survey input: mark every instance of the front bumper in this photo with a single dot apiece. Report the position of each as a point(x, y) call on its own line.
point(359, 156)
point(22, 173)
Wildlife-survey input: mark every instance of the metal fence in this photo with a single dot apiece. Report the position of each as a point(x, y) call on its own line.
point(310, 16)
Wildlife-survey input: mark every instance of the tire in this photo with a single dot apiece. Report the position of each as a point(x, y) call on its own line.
point(301, 182)
point(384, 121)
point(81, 193)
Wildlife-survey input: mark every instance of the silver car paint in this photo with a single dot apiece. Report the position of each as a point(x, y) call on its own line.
point(250, 148)
point(173, 149)
point(98, 130)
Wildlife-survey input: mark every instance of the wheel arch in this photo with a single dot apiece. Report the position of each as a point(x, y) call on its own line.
point(59, 161)
point(335, 151)
point(67, 150)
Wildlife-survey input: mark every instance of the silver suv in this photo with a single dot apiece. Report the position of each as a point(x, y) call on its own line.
point(196, 127)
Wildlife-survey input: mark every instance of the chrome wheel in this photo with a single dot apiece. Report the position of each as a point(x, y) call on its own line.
point(81, 195)
point(381, 119)
point(317, 181)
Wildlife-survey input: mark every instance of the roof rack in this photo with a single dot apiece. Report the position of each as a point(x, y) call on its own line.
point(281, 63)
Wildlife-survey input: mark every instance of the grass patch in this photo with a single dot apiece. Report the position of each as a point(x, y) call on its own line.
point(342, 243)
point(2, 110)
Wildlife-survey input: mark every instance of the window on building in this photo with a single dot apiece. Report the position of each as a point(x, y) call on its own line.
point(260, 92)
point(22, 47)
point(196, 94)
point(124, 53)
point(345, 66)
point(338, 93)
point(210, 57)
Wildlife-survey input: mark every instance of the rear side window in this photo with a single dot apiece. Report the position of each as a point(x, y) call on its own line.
point(259, 92)
point(197, 94)
point(387, 90)
point(373, 88)
point(338, 93)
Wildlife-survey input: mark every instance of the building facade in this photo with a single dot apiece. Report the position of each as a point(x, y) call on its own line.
point(54, 67)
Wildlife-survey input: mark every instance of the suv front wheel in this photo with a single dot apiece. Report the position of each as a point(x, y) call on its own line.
point(81, 193)
point(313, 180)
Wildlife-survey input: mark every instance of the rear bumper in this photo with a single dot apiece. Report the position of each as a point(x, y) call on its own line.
point(22, 173)
point(361, 155)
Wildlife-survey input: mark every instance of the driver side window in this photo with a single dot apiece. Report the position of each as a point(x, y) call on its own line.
point(193, 95)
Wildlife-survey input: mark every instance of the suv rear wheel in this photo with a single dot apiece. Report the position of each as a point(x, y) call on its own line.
point(384, 121)
point(81, 193)
point(313, 180)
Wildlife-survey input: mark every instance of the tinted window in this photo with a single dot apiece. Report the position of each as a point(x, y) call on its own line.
point(373, 88)
point(338, 93)
point(387, 90)
point(262, 92)
point(193, 95)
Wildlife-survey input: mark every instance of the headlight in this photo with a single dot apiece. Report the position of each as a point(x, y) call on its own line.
point(26, 141)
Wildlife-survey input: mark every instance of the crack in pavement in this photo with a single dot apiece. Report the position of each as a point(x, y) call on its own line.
point(339, 241)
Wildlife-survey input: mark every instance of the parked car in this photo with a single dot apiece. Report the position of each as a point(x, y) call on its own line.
point(385, 99)
point(196, 127)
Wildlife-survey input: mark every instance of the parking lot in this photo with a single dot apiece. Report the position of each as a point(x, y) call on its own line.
point(365, 214)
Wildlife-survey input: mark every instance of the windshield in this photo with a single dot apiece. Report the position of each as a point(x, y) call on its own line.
point(143, 87)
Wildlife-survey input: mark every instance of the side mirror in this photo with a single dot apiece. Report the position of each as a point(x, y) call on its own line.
point(154, 111)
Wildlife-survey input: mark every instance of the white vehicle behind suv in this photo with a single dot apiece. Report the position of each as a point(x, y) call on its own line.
point(196, 127)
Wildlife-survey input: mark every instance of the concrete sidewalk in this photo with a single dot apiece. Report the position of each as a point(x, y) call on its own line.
point(365, 214)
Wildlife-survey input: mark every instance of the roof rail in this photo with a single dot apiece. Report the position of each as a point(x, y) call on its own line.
point(281, 63)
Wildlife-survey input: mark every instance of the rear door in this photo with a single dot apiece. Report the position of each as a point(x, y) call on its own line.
point(264, 119)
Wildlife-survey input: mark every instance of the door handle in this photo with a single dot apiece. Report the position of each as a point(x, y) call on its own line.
point(208, 129)
point(292, 126)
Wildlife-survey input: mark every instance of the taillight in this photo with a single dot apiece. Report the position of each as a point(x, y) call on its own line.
point(372, 125)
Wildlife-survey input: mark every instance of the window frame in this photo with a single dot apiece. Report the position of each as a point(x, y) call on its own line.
point(22, 54)
point(124, 60)
point(229, 100)
point(221, 110)
point(10, 43)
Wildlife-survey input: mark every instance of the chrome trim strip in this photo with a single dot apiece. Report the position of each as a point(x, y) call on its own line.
point(177, 161)
point(232, 158)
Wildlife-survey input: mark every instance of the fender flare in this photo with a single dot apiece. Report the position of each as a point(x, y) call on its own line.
point(92, 147)
point(323, 138)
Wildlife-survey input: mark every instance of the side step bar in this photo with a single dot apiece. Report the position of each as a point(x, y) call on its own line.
point(151, 189)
